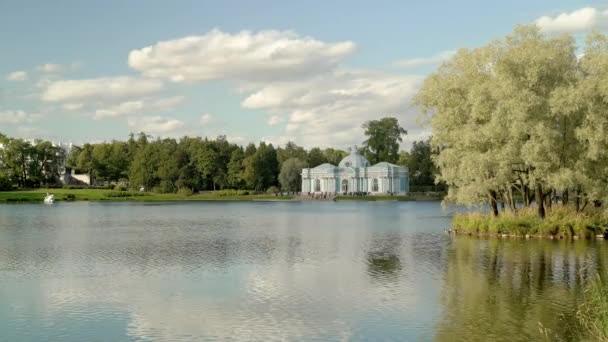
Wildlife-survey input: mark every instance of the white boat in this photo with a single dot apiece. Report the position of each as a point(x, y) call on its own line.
point(49, 198)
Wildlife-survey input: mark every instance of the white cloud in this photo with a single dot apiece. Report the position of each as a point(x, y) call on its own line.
point(577, 21)
point(418, 62)
point(263, 55)
point(73, 106)
point(154, 124)
point(100, 89)
point(137, 107)
point(16, 117)
point(329, 110)
point(53, 68)
point(275, 120)
point(206, 118)
point(17, 76)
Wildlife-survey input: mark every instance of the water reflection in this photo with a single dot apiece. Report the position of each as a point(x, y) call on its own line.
point(507, 290)
point(277, 271)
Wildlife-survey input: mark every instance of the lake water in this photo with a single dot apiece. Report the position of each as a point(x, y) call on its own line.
point(278, 271)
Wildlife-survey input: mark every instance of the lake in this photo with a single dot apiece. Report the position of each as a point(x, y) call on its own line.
point(264, 271)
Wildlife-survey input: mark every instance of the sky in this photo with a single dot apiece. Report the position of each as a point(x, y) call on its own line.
point(311, 72)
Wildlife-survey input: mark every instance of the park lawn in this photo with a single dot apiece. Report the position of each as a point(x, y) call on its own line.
point(37, 196)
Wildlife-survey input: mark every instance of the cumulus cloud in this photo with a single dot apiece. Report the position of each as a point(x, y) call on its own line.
point(252, 56)
point(154, 124)
point(52, 68)
point(16, 117)
point(100, 89)
point(275, 120)
point(17, 76)
point(206, 118)
point(328, 110)
point(73, 106)
point(577, 21)
point(137, 107)
point(422, 61)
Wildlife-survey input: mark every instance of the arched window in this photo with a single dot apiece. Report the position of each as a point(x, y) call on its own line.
point(317, 185)
point(345, 185)
point(375, 185)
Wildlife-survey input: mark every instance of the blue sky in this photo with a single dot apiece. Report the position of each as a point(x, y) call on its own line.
point(311, 72)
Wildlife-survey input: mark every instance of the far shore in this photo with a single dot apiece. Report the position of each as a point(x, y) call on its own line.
point(73, 195)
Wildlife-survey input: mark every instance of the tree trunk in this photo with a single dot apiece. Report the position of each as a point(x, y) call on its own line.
point(565, 198)
point(526, 196)
point(493, 203)
point(540, 207)
point(577, 200)
point(549, 199)
point(511, 199)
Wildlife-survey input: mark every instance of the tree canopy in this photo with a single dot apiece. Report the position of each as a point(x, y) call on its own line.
point(383, 138)
point(522, 113)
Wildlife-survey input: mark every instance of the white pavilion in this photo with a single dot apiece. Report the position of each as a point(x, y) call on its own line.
point(354, 174)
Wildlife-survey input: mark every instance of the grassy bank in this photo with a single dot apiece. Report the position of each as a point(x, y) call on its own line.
point(410, 197)
point(593, 313)
point(560, 222)
point(37, 196)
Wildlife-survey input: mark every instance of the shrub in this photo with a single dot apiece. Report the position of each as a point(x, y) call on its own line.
point(69, 197)
point(119, 187)
point(185, 191)
point(231, 192)
point(273, 190)
point(72, 187)
point(108, 186)
point(5, 184)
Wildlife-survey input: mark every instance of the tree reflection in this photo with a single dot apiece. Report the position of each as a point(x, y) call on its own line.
point(383, 260)
point(516, 290)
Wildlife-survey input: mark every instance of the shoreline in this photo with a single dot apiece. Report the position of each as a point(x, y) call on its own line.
point(100, 195)
point(455, 232)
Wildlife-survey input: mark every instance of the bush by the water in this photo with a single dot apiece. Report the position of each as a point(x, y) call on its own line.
point(232, 193)
point(119, 187)
point(69, 197)
point(273, 190)
point(560, 221)
point(185, 191)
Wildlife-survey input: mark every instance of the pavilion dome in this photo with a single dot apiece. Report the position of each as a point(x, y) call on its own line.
point(354, 159)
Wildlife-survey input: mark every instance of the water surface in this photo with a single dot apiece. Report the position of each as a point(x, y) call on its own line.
point(278, 271)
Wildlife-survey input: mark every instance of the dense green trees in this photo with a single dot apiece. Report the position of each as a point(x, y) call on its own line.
point(26, 164)
point(521, 114)
point(420, 163)
point(383, 138)
point(290, 176)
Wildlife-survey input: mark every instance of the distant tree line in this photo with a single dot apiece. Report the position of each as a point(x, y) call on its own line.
point(193, 164)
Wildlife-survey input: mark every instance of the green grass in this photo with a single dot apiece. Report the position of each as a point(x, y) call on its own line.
point(593, 313)
point(37, 196)
point(560, 222)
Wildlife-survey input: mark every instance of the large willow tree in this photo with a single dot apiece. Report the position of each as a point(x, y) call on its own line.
point(521, 114)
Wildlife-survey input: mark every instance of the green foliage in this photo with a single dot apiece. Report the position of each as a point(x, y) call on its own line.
point(119, 187)
point(273, 190)
point(593, 313)
point(383, 138)
point(521, 114)
point(560, 222)
point(290, 176)
point(420, 163)
point(185, 191)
